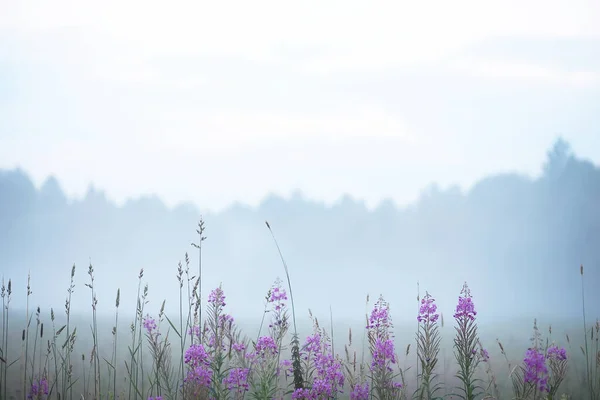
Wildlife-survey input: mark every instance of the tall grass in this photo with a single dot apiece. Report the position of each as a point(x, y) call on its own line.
point(296, 364)
point(591, 352)
point(206, 356)
point(95, 357)
point(6, 294)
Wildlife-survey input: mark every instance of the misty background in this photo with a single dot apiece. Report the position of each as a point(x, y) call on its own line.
point(518, 241)
point(386, 143)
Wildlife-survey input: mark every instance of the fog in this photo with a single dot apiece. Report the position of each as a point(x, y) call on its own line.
point(518, 241)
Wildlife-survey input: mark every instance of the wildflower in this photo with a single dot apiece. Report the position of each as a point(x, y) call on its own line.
point(313, 343)
point(200, 376)
point(428, 346)
point(465, 307)
point(39, 389)
point(194, 331)
point(427, 312)
point(276, 297)
point(286, 366)
point(382, 350)
point(536, 372)
point(238, 347)
point(360, 392)
point(277, 293)
point(266, 346)
point(327, 377)
point(465, 342)
point(485, 356)
point(383, 355)
point(196, 356)
point(217, 297)
point(303, 394)
point(380, 316)
point(557, 353)
point(237, 380)
point(212, 341)
point(251, 357)
point(225, 320)
point(198, 360)
point(557, 365)
point(149, 324)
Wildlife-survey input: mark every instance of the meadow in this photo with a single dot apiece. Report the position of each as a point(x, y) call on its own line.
point(205, 353)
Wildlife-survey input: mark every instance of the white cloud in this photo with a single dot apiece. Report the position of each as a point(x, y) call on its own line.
point(501, 69)
point(240, 129)
point(163, 152)
point(89, 91)
point(356, 34)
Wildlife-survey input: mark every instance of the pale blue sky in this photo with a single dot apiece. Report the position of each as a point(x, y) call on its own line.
point(216, 102)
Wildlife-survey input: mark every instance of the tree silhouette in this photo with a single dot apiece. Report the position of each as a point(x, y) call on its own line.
point(508, 232)
point(557, 158)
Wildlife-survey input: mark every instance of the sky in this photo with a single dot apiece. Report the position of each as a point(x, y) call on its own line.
point(222, 102)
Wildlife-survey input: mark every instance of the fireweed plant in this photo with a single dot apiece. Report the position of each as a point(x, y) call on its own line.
point(162, 372)
point(428, 348)
point(263, 366)
point(207, 358)
point(366, 380)
point(356, 371)
point(211, 373)
point(543, 369)
point(382, 376)
point(324, 372)
point(467, 348)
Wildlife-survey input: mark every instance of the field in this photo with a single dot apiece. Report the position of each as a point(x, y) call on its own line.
point(203, 352)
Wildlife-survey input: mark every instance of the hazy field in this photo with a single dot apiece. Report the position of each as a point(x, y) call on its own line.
point(514, 335)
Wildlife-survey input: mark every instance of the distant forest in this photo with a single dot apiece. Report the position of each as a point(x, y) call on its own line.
point(519, 241)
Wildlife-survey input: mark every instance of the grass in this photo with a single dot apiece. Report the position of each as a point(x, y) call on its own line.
point(205, 355)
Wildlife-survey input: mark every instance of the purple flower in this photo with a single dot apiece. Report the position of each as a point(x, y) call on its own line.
point(212, 341)
point(194, 331)
point(485, 356)
point(303, 394)
point(200, 376)
point(149, 324)
point(536, 371)
point(383, 355)
point(557, 353)
point(155, 398)
point(238, 346)
point(196, 356)
point(198, 360)
point(39, 389)
point(328, 377)
point(217, 297)
point(379, 328)
point(237, 380)
point(396, 385)
point(427, 312)
point(313, 343)
point(360, 392)
point(380, 316)
point(277, 294)
point(465, 307)
point(266, 345)
point(225, 320)
point(286, 366)
point(276, 297)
